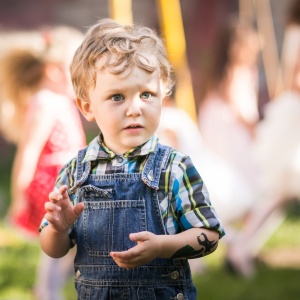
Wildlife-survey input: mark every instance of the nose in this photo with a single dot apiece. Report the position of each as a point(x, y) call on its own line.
point(134, 108)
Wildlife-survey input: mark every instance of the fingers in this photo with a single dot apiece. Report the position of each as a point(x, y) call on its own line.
point(51, 207)
point(127, 255)
point(134, 251)
point(60, 194)
point(125, 265)
point(63, 191)
point(53, 210)
point(60, 197)
point(121, 255)
point(123, 260)
point(55, 197)
point(51, 218)
point(140, 236)
point(78, 208)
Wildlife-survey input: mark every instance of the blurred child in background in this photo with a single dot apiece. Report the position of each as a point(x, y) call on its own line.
point(36, 91)
point(228, 115)
point(277, 150)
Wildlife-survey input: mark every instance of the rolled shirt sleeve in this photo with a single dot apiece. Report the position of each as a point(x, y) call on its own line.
point(190, 204)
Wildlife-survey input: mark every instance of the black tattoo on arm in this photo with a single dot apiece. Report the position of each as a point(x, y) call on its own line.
point(207, 247)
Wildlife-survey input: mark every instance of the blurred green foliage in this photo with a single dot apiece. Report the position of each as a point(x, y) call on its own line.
point(7, 152)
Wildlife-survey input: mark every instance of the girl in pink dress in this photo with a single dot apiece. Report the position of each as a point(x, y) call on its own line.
point(36, 93)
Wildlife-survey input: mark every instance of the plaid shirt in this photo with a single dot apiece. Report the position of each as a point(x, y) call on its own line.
point(183, 197)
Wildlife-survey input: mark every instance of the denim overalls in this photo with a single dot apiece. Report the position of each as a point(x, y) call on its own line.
point(116, 205)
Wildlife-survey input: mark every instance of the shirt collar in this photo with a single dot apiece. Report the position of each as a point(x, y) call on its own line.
point(97, 149)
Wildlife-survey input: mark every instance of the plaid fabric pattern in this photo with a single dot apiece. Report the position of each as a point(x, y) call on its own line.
point(184, 199)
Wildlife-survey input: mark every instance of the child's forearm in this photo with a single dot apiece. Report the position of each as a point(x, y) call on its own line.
point(193, 243)
point(53, 243)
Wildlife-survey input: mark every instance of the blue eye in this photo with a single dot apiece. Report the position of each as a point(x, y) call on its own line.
point(146, 95)
point(117, 98)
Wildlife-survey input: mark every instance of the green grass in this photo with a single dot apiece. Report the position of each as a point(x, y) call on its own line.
point(18, 264)
point(270, 283)
point(17, 268)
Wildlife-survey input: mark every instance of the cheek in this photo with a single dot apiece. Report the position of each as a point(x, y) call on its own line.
point(154, 117)
point(107, 122)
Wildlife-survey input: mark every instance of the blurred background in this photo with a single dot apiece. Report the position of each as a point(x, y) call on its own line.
point(192, 36)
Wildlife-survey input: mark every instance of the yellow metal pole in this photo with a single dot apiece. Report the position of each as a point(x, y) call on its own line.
point(121, 11)
point(173, 30)
point(269, 50)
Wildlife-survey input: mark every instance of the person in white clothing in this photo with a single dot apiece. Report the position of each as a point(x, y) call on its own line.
point(277, 151)
point(177, 129)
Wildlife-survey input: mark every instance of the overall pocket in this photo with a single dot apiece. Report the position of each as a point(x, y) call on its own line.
point(107, 223)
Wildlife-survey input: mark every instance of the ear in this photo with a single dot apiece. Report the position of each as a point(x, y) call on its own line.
point(86, 109)
point(164, 100)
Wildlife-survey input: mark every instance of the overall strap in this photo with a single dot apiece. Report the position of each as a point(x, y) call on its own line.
point(83, 170)
point(80, 165)
point(155, 163)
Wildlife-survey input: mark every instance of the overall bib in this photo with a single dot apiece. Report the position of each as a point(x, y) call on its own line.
point(116, 205)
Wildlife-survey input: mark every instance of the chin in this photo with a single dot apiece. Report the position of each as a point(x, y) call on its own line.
point(136, 143)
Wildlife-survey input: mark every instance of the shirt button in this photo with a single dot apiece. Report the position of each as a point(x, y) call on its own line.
point(180, 296)
point(119, 159)
point(77, 274)
point(174, 275)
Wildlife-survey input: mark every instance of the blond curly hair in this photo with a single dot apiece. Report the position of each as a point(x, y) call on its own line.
point(115, 47)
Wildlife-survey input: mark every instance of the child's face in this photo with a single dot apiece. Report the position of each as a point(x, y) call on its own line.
point(126, 107)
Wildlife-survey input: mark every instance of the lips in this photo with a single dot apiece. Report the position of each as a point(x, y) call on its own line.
point(134, 126)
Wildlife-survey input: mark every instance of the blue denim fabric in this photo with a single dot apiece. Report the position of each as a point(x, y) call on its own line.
point(115, 206)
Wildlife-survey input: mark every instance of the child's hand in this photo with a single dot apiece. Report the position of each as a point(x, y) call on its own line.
point(61, 213)
point(147, 248)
